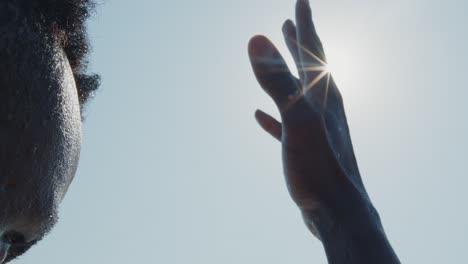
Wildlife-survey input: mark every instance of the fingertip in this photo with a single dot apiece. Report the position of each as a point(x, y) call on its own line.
point(269, 124)
point(302, 8)
point(259, 115)
point(259, 46)
point(256, 39)
point(303, 2)
point(253, 46)
point(288, 25)
point(264, 120)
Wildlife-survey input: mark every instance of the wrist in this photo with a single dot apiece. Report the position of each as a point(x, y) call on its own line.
point(347, 219)
point(348, 207)
point(350, 229)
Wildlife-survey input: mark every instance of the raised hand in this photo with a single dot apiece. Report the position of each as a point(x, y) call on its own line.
point(319, 162)
point(318, 159)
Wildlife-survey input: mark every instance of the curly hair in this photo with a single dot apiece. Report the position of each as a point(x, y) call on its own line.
point(65, 22)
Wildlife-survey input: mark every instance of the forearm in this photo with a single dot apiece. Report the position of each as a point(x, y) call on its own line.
point(351, 232)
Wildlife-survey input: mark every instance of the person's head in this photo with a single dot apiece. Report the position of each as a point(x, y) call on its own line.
point(43, 87)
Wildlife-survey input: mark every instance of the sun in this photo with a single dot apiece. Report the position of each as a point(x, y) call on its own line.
point(343, 63)
point(329, 68)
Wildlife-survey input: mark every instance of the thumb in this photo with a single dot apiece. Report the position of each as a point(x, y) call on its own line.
point(269, 124)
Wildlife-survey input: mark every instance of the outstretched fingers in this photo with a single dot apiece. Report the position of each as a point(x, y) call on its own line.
point(272, 71)
point(310, 47)
point(290, 37)
point(269, 124)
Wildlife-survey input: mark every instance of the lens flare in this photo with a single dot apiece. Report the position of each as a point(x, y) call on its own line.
point(315, 70)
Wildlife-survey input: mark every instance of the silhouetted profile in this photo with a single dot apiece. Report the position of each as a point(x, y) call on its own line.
point(43, 85)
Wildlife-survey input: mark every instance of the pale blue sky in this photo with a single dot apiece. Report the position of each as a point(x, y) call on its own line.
point(174, 168)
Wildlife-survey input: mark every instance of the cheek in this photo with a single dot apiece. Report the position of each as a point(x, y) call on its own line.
point(42, 157)
point(41, 146)
point(68, 147)
point(68, 130)
point(38, 163)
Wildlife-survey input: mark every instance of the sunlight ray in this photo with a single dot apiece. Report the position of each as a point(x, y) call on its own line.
point(315, 69)
point(310, 53)
point(326, 92)
point(315, 81)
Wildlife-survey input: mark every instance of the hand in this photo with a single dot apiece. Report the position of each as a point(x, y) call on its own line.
point(318, 158)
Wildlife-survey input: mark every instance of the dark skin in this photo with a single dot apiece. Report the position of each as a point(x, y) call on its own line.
point(40, 128)
point(321, 171)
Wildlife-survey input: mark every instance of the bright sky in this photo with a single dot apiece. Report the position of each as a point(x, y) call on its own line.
point(175, 170)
